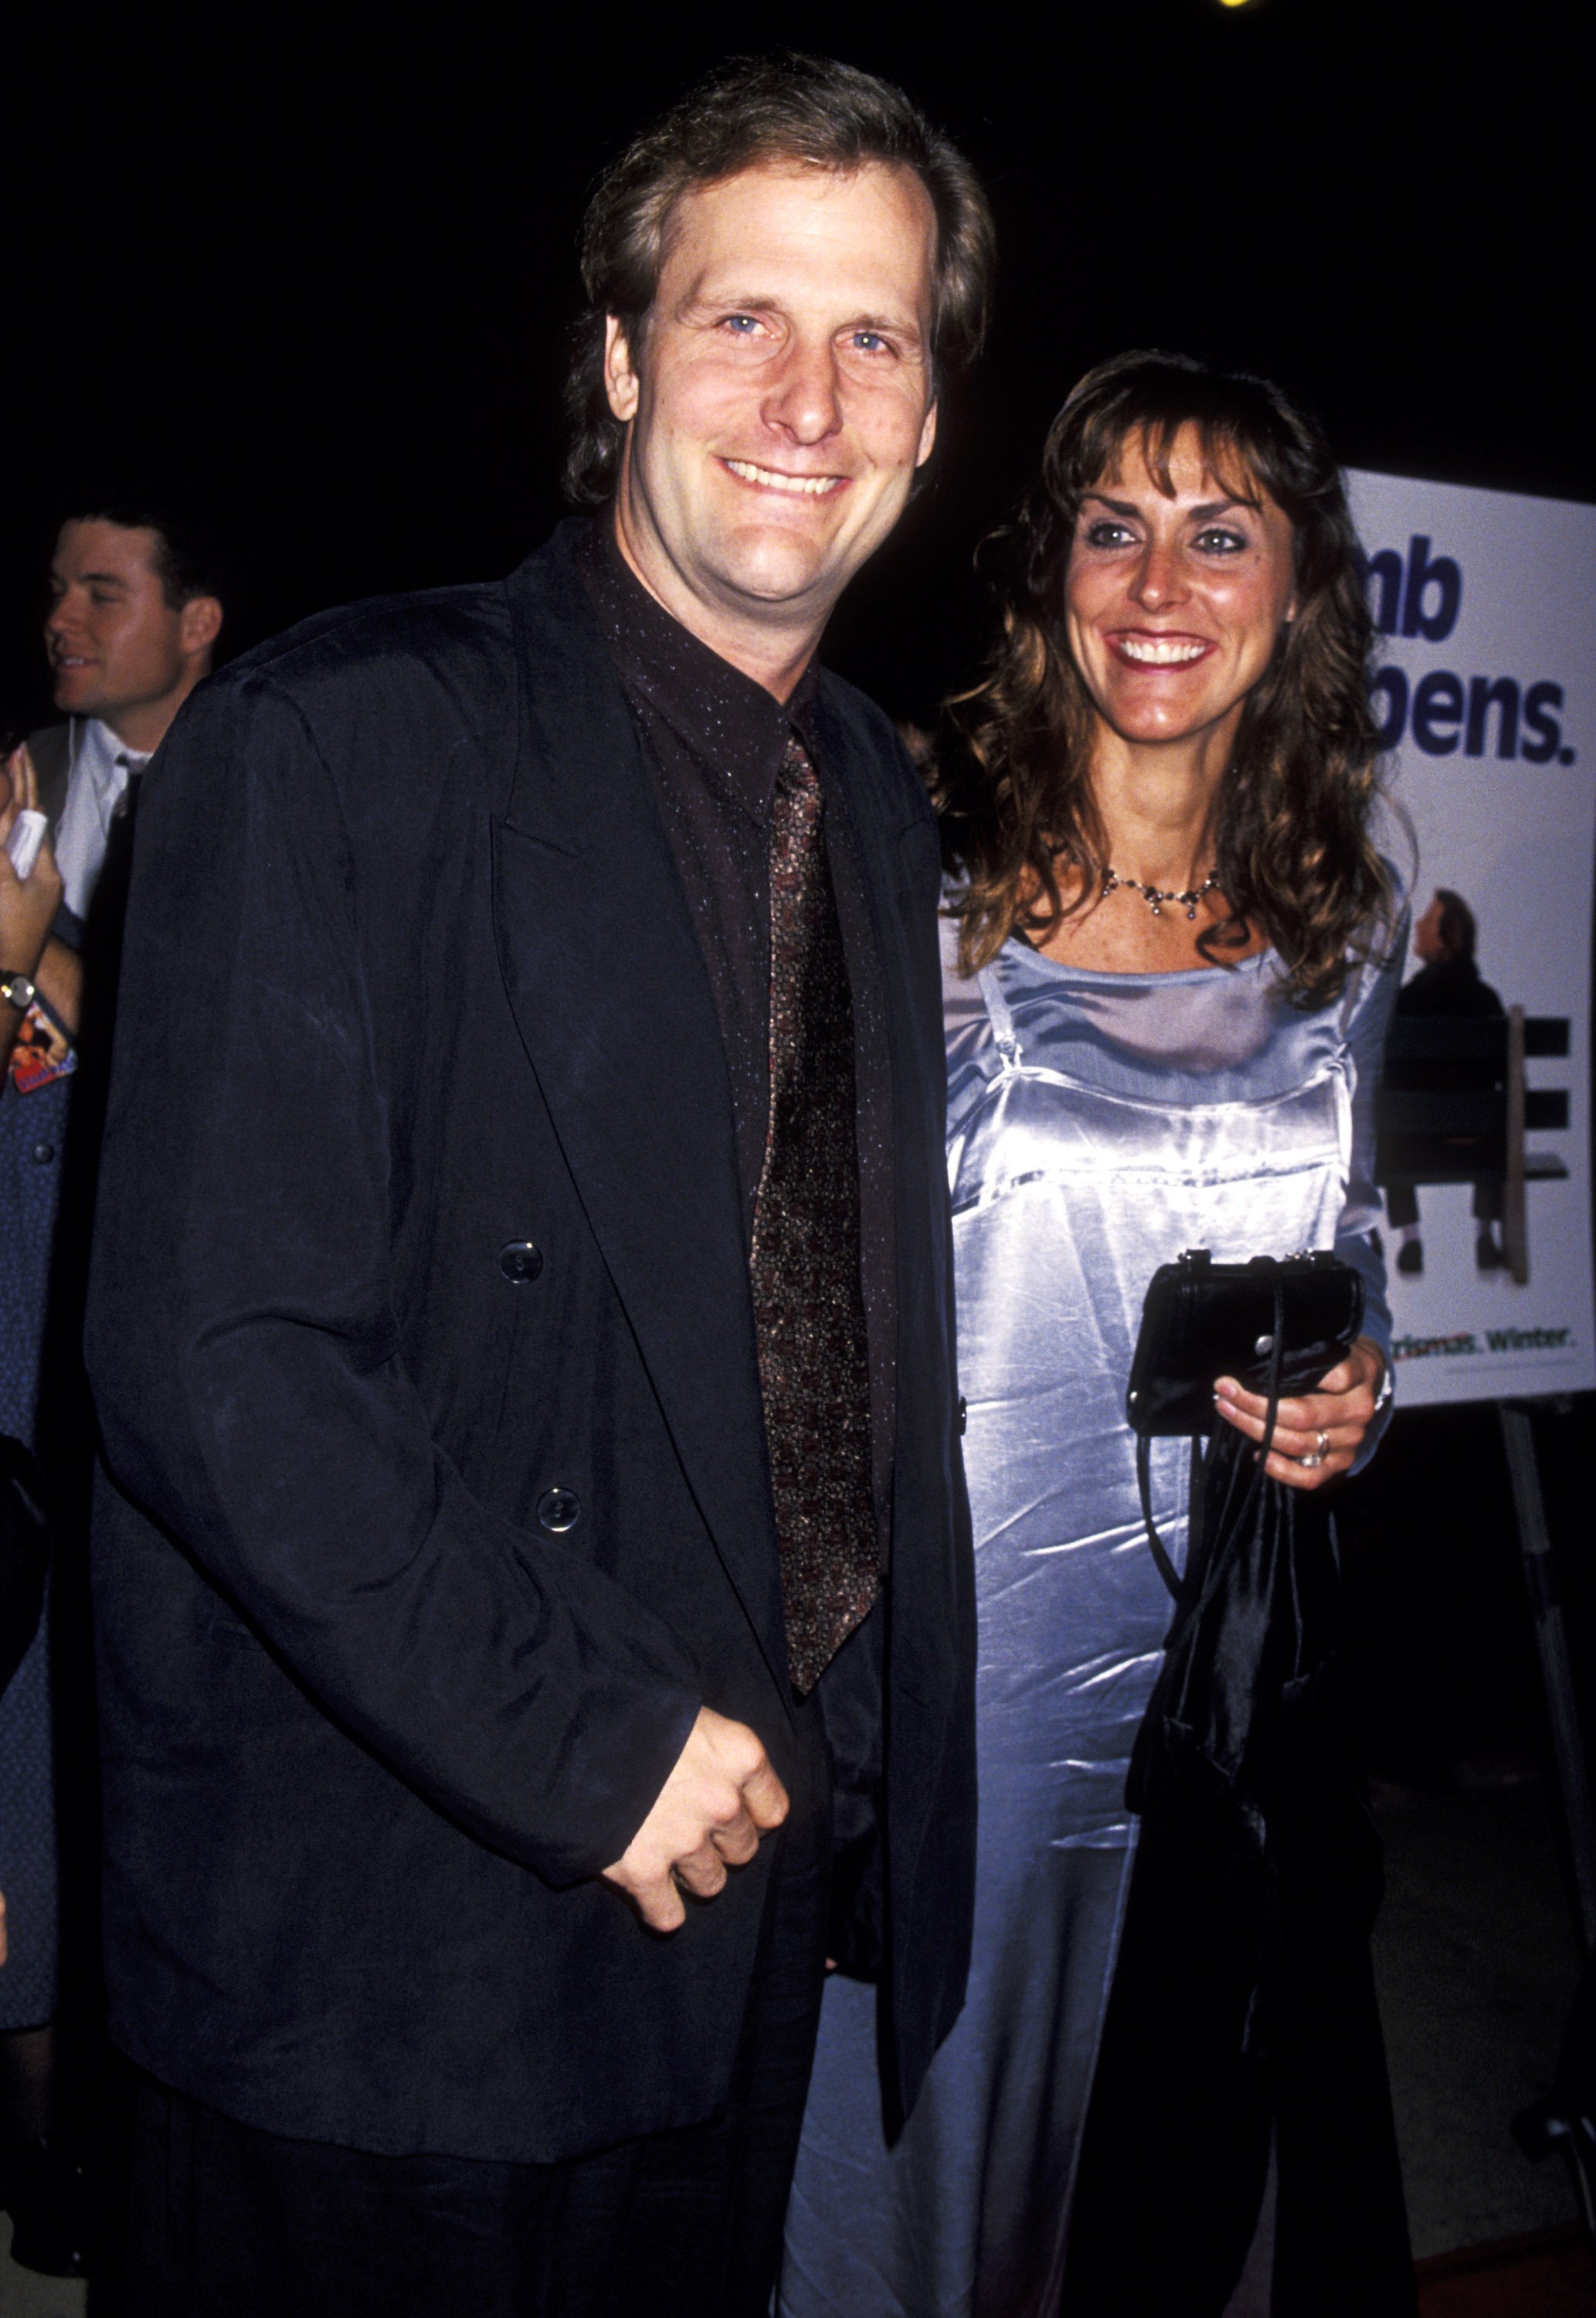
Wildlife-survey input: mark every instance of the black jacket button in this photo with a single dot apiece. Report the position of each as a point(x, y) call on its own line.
point(558, 1510)
point(44, 1153)
point(520, 1261)
point(963, 1412)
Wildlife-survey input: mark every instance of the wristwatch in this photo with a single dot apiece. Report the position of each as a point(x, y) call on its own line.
point(18, 990)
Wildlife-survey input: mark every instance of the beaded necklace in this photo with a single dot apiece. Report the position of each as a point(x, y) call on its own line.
point(1155, 897)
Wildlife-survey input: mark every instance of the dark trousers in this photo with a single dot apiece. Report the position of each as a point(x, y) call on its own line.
point(1402, 1202)
point(229, 2221)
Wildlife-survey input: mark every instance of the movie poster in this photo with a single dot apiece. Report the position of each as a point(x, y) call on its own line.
point(1485, 605)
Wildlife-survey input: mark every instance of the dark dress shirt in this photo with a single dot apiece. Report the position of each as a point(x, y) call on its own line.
point(715, 738)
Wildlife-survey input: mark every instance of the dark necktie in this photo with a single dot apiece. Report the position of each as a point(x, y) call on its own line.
point(809, 1310)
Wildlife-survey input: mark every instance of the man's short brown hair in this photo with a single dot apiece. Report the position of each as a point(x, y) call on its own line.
point(1455, 927)
point(756, 110)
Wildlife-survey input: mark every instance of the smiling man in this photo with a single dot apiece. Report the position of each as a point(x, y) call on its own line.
point(135, 613)
point(533, 1572)
point(778, 399)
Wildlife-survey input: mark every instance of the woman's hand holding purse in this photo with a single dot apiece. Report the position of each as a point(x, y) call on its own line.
point(1317, 1433)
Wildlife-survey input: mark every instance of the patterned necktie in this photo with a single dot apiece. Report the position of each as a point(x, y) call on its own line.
point(809, 1310)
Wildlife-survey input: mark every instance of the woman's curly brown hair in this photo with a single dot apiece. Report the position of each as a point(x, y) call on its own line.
point(1296, 856)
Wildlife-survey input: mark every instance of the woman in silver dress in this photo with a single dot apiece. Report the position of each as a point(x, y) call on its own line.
point(1168, 978)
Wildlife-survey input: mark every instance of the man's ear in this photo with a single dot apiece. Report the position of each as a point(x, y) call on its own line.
point(199, 624)
point(927, 436)
point(620, 384)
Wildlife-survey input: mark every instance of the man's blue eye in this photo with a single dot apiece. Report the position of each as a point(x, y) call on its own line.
point(868, 339)
point(741, 323)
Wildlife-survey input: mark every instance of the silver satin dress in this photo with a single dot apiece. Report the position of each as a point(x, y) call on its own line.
point(1099, 1124)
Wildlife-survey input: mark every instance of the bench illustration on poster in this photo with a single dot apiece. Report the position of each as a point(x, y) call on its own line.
point(1453, 1108)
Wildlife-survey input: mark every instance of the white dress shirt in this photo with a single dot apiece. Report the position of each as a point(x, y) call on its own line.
point(100, 766)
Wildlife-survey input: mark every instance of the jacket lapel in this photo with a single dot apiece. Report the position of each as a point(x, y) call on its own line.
point(52, 751)
point(610, 994)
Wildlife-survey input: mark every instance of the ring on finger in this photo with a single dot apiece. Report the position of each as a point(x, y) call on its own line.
point(1321, 1450)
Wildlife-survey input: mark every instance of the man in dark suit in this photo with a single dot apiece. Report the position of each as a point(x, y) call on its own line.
point(532, 1575)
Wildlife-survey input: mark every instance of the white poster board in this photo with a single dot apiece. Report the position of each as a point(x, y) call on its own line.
point(1485, 602)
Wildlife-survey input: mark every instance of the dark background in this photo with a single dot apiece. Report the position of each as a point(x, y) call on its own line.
point(322, 269)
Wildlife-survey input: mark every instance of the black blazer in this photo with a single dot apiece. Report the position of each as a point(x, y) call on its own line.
point(411, 990)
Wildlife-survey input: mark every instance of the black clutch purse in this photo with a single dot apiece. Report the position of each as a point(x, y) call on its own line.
point(1276, 1325)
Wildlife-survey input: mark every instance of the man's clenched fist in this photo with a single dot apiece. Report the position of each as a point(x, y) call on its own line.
point(709, 1815)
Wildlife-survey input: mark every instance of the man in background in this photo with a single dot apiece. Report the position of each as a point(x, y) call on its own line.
point(1448, 986)
point(135, 613)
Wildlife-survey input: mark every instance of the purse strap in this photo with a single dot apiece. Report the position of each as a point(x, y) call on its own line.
point(1166, 1568)
point(1187, 1611)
